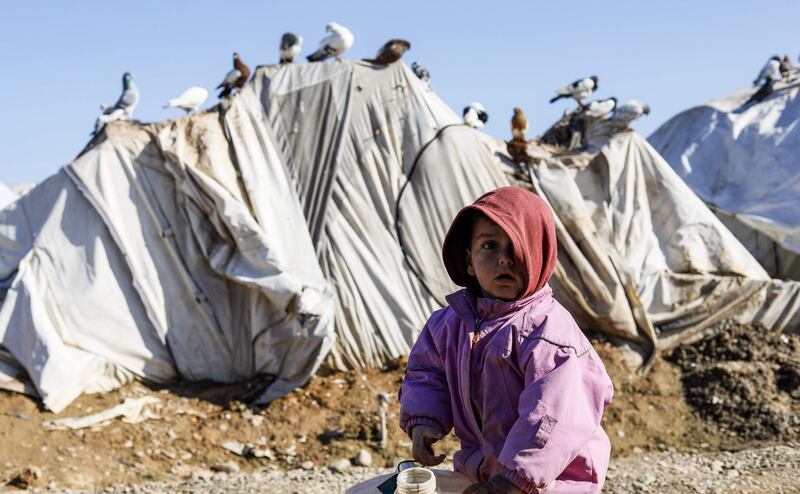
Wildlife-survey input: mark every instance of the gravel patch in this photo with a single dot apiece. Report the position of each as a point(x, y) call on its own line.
point(771, 469)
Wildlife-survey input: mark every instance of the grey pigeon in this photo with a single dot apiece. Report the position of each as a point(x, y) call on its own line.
point(421, 72)
point(123, 108)
point(291, 44)
point(630, 111)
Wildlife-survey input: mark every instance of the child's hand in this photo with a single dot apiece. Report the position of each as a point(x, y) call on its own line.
point(496, 485)
point(422, 437)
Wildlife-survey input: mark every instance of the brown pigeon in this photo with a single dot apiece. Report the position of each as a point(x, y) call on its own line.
point(519, 125)
point(785, 67)
point(391, 52)
point(236, 78)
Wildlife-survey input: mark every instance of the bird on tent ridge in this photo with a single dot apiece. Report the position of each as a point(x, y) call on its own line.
point(475, 115)
point(600, 108)
point(578, 90)
point(235, 78)
point(189, 100)
point(421, 72)
point(123, 108)
point(519, 125)
point(290, 46)
point(338, 40)
point(390, 52)
point(630, 111)
point(770, 72)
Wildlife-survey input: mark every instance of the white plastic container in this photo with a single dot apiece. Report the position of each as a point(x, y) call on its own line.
point(416, 481)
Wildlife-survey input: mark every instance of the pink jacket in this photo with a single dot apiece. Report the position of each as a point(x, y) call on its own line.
point(521, 385)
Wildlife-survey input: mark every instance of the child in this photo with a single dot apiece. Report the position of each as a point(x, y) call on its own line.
point(504, 363)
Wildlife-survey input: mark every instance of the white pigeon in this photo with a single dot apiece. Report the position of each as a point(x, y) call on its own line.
point(475, 115)
point(600, 108)
point(578, 90)
point(630, 111)
point(123, 108)
point(291, 44)
point(338, 40)
point(190, 100)
point(771, 71)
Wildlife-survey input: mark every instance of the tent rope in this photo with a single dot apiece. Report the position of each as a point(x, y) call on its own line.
point(409, 260)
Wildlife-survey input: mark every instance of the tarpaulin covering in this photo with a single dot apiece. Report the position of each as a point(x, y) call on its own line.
point(744, 160)
point(302, 220)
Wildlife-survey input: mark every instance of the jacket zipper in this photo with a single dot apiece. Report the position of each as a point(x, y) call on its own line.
point(477, 328)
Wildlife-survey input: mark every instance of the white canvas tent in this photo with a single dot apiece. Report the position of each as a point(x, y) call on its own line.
point(240, 241)
point(7, 195)
point(745, 162)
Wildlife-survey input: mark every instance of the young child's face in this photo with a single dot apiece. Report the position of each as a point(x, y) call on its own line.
point(490, 258)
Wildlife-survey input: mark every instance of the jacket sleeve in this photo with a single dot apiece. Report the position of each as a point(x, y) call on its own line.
point(559, 412)
point(424, 395)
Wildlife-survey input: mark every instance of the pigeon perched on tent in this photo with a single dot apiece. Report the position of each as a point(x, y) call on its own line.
point(189, 100)
point(236, 78)
point(770, 72)
point(785, 67)
point(421, 72)
point(338, 40)
point(519, 125)
point(123, 108)
point(630, 111)
point(578, 90)
point(391, 52)
point(475, 115)
point(600, 108)
point(291, 44)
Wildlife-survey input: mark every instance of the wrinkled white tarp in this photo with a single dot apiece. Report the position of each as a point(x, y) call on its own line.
point(235, 242)
point(641, 257)
point(745, 162)
point(132, 411)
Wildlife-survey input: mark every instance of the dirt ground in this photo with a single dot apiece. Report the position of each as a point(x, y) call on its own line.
point(736, 391)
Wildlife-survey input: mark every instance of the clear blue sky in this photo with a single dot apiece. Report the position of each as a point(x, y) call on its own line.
point(62, 59)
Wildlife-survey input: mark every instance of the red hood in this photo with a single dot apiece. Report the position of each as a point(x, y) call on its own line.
point(528, 222)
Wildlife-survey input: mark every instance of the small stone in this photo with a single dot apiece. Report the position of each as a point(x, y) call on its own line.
point(263, 453)
point(204, 475)
point(235, 447)
point(340, 466)
point(307, 465)
point(257, 420)
point(27, 478)
point(128, 444)
point(363, 458)
point(172, 435)
point(223, 427)
point(227, 467)
point(138, 453)
point(620, 433)
point(637, 450)
point(182, 471)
